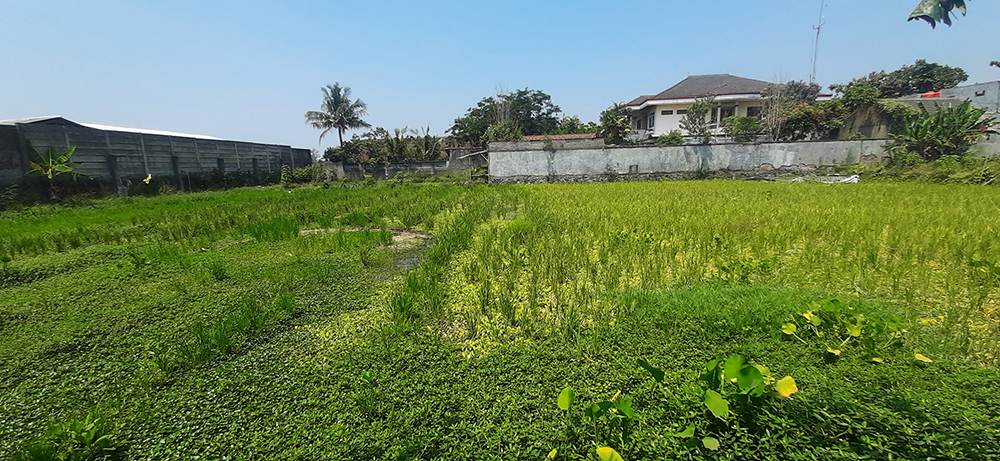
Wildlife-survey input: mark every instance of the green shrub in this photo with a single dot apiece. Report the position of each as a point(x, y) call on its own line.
point(695, 121)
point(673, 138)
point(742, 128)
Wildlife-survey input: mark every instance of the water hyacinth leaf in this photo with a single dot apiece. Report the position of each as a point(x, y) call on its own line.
point(922, 358)
point(717, 404)
point(750, 380)
point(785, 387)
point(711, 443)
point(552, 454)
point(604, 406)
point(854, 329)
point(608, 454)
point(713, 375)
point(566, 398)
point(693, 443)
point(733, 365)
point(366, 376)
point(788, 328)
point(656, 372)
point(624, 406)
point(686, 433)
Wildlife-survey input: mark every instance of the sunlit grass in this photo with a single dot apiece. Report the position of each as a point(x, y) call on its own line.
point(556, 266)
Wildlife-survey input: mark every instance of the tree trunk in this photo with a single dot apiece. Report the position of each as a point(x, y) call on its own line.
point(340, 134)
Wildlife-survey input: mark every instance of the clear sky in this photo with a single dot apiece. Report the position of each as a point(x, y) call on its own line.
point(249, 70)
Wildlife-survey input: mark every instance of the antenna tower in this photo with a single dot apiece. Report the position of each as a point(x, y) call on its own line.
point(817, 28)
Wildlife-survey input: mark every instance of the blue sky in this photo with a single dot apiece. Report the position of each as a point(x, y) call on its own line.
point(249, 70)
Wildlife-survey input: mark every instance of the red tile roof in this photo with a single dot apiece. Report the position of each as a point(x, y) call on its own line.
point(541, 137)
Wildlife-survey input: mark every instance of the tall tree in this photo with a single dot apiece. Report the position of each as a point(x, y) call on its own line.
point(920, 77)
point(934, 11)
point(527, 111)
point(338, 112)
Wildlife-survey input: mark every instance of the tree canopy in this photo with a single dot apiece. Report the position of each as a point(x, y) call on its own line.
point(526, 111)
point(920, 77)
point(338, 112)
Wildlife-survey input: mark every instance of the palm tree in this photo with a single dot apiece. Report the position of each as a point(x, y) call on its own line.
point(338, 112)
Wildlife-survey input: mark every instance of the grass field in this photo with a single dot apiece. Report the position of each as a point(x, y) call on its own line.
point(207, 325)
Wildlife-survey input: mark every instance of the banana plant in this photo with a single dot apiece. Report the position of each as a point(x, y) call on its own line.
point(50, 166)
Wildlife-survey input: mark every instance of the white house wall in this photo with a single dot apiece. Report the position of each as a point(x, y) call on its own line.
point(664, 124)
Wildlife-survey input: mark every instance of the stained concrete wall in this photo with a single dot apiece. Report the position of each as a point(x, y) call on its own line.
point(529, 160)
point(464, 158)
point(989, 147)
point(980, 94)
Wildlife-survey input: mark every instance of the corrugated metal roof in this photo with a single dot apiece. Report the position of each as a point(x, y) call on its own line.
point(25, 121)
point(97, 126)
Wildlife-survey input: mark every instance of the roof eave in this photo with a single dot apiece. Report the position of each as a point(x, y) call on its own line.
point(691, 99)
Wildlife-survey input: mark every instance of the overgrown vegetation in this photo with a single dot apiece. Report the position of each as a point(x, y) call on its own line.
point(267, 324)
point(948, 131)
point(616, 123)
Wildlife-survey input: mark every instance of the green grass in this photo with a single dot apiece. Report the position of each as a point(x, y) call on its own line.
point(206, 325)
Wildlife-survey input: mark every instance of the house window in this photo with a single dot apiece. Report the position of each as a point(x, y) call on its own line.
point(682, 111)
point(726, 112)
point(652, 120)
point(753, 111)
point(666, 112)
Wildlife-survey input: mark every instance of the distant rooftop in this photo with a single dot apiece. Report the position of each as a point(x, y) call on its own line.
point(699, 86)
point(542, 137)
point(60, 120)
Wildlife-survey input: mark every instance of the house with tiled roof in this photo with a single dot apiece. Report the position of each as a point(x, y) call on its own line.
point(653, 115)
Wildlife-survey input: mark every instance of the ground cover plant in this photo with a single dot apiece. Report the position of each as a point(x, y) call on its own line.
point(690, 320)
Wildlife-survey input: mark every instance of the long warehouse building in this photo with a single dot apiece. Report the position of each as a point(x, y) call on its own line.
point(111, 154)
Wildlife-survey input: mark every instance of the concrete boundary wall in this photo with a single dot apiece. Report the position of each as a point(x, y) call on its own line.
point(529, 161)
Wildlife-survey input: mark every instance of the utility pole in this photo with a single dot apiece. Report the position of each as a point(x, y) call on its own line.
point(817, 28)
